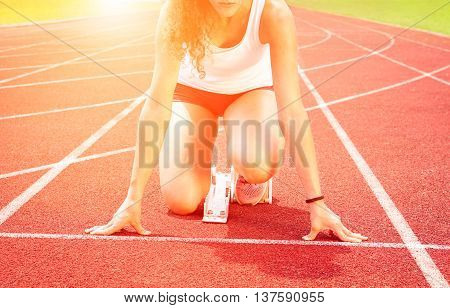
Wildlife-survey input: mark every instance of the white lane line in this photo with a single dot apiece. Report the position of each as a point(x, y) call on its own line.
point(391, 42)
point(75, 59)
point(44, 49)
point(337, 101)
point(330, 103)
point(387, 33)
point(318, 67)
point(75, 161)
point(76, 37)
point(64, 23)
point(392, 86)
point(323, 40)
point(426, 264)
point(101, 60)
point(84, 50)
point(384, 56)
point(72, 38)
point(41, 83)
point(313, 68)
point(250, 241)
point(15, 205)
point(440, 35)
point(39, 113)
point(31, 25)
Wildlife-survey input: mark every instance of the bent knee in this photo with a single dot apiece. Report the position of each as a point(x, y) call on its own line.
point(258, 163)
point(259, 171)
point(182, 204)
point(258, 175)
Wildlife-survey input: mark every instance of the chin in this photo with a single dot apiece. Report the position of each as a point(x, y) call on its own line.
point(226, 8)
point(228, 12)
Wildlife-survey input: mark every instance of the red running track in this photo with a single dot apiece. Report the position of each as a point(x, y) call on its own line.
point(382, 141)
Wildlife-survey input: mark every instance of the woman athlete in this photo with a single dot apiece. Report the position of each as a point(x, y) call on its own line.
point(230, 58)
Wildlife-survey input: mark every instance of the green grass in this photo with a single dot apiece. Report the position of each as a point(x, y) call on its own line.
point(45, 10)
point(400, 12)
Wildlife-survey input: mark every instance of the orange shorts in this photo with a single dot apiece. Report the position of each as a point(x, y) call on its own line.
point(215, 102)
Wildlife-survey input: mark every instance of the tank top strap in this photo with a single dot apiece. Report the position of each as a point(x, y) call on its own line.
point(255, 20)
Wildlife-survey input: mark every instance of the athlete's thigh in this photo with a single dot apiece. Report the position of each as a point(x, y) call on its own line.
point(185, 158)
point(253, 131)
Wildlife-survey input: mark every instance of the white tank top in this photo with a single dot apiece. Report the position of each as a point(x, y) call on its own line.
point(233, 70)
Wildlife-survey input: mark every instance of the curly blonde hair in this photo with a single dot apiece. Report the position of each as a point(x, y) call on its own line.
point(189, 25)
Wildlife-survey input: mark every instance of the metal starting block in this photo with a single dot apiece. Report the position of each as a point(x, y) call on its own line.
point(221, 194)
point(217, 201)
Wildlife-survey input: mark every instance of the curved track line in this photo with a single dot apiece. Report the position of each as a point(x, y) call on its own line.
point(440, 35)
point(387, 33)
point(111, 59)
point(387, 47)
point(40, 83)
point(49, 22)
point(326, 38)
point(78, 160)
point(39, 113)
point(64, 51)
point(74, 59)
point(64, 22)
point(238, 241)
point(12, 207)
point(70, 38)
point(426, 264)
point(412, 68)
point(410, 246)
point(318, 67)
point(386, 88)
point(391, 43)
point(44, 167)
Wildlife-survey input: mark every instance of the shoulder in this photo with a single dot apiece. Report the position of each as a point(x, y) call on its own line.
point(276, 19)
point(167, 13)
point(276, 10)
point(163, 19)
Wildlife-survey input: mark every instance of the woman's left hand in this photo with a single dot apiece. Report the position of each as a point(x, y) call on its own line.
point(322, 218)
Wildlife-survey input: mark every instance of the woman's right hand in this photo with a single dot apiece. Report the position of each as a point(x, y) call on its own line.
point(129, 213)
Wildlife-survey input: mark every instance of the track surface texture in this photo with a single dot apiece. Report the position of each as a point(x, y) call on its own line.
point(380, 122)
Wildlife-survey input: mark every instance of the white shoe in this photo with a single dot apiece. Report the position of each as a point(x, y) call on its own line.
point(246, 193)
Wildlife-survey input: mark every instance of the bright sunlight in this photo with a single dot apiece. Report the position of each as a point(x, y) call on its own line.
point(111, 7)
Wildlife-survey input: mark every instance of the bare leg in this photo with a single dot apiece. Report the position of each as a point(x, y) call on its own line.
point(254, 136)
point(185, 159)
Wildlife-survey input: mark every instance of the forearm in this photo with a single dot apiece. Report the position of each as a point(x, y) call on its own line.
point(157, 110)
point(151, 130)
point(300, 143)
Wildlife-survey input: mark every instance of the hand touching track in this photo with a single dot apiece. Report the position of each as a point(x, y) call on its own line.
point(322, 219)
point(129, 213)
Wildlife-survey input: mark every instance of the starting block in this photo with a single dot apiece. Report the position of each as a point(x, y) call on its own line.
point(217, 201)
point(221, 194)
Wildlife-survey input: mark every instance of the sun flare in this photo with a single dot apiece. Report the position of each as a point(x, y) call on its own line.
point(109, 7)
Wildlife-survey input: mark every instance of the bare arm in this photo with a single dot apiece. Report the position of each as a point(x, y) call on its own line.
point(280, 32)
point(154, 116)
point(156, 113)
point(293, 118)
